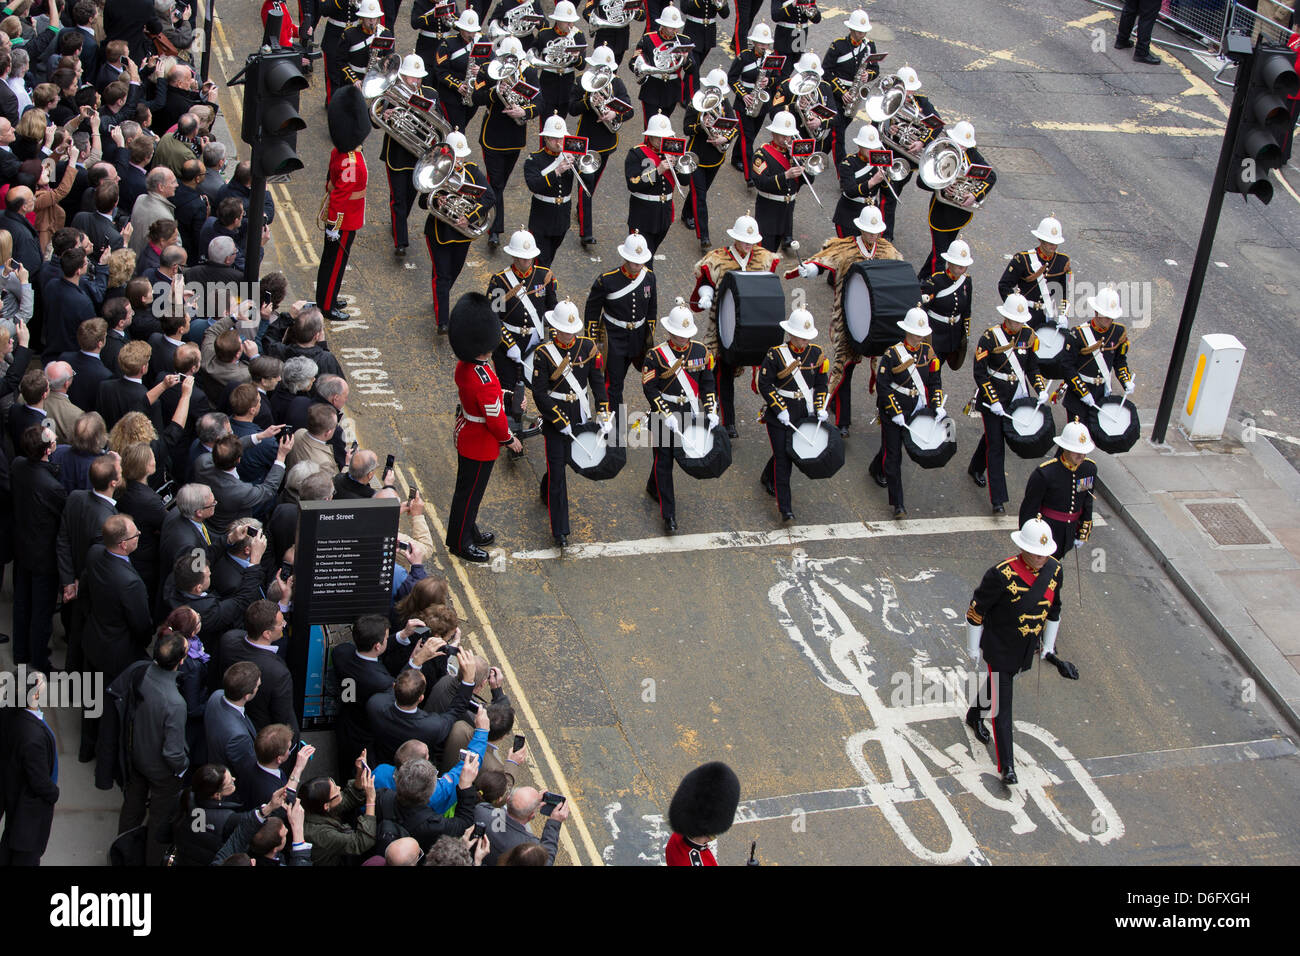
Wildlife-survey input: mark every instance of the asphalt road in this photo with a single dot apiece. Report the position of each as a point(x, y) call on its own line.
point(740, 641)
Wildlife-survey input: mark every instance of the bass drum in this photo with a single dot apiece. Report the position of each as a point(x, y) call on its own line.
point(703, 452)
point(1052, 354)
point(816, 448)
point(590, 457)
point(877, 295)
point(751, 308)
point(930, 443)
point(1114, 424)
point(1030, 429)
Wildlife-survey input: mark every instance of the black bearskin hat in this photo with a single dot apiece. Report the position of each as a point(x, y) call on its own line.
point(349, 119)
point(473, 328)
point(705, 802)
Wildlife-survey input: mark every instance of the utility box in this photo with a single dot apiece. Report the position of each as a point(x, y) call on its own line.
point(1214, 380)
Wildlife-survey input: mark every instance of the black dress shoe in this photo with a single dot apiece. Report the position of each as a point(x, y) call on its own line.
point(900, 511)
point(484, 537)
point(442, 330)
point(1009, 778)
point(400, 251)
point(670, 525)
point(337, 315)
point(588, 240)
point(706, 244)
point(787, 515)
point(877, 477)
point(341, 302)
point(1123, 44)
point(844, 431)
point(473, 553)
point(4, 638)
point(974, 722)
point(768, 486)
point(494, 241)
point(733, 432)
point(999, 509)
point(688, 223)
point(1150, 60)
point(977, 477)
point(561, 541)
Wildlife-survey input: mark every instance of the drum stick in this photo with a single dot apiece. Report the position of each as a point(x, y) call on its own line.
point(811, 189)
point(1078, 577)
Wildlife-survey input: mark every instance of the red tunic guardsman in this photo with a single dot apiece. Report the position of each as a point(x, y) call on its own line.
point(344, 210)
point(703, 807)
point(481, 425)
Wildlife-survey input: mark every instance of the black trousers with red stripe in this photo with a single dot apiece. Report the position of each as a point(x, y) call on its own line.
point(661, 476)
point(726, 379)
point(333, 263)
point(499, 164)
point(586, 220)
point(778, 467)
point(471, 481)
point(990, 456)
point(697, 203)
point(447, 260)
point(889, 459)
point(995, 688)
point(742, 154)
point(401, 197)
point(841, 403)
point(555, 486)
point(329, 46)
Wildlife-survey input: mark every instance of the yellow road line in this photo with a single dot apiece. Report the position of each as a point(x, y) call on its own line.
point(517, 694)
point(1277, 174)
point(1091, 18)
point(221, 36)
point(1127, 126)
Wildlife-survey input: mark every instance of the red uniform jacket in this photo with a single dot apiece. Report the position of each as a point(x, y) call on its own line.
point(682, 852)
point(481, 426)
point(348, 175)
point(288, 30)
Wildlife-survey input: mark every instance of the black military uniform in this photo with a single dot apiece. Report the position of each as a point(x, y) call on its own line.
point(502, 139)
point(616, 38)
point(523, 327)
point(946, 220)
point(399, 162)
point(448, 246)
point(552, 205)
point(561, 409)
point(774, 205)
point(451, 66)
point(354, 48)
point(696, 213)
point(1012, 604)
point(335, 15)
point(663, 93)
point(949, 307)
point(505, 7)
point(898, 394)
point(434, 24)
point(856, 192)
point(743, 76)
point(666, 394)
point(557, 81)
point(650, 206)
point(781, 393)
point(622, 307)
point(888, 200)
point(996, 381)
point(790, 19)
point(1021, 275)
point(1086, 376)
point(601, 140)
point(1061, 494)
point(841, 63)
point(702, 18)
point(784, 99)
point(747, 12)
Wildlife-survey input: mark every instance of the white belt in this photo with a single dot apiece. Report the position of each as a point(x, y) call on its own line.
point(472, 418)
point(649, 198)
point(517, 329)
point(945, 319)
point(854, 198)
point(708, 22)
point(563, 396)
point(905, 391)
point(622, 325)
point(558, 70)
point(676, 399)
point(337, 23)
point(795, 393)
point(1004, 376)
point(1099, 380)
point(435, 34)
point(777, 197)
point(554, 200)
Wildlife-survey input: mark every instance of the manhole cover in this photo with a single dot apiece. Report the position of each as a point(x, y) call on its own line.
point(1228, 524)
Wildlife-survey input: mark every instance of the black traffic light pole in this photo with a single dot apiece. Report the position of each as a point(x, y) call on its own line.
point(207, 40)
point(1208, 229)
point(257, 189)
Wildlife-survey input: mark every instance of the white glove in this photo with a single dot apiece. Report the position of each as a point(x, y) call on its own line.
point(1089, 400)
point(333, 235)
point(606, 427)
point(1129, 386)
point(808, 270)
point(1049, 637)
point(997, 409)
point(1078, 542)
point(566, 430)
point(940, 414)
point(713, 421)
point(671, 424)
point(1062, 322)
point(898, 420)
point(784, 419)
point(1042, 398)
point(822, 415)
point(513, 354)
point(973, 634)
point(706, 296)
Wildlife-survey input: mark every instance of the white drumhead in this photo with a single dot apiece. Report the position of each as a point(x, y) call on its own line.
point(588, 449)
point(857, 307)
point(727, 319)
point(1027, 420)
point(1114, 418)
point(1050, 342)
point(929, 433)
point(697, 441)
point(810, 440)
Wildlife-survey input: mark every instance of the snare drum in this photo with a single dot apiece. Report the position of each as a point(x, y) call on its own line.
point(1114, 424)
point(703, 452)
point(815, 448)
point(751, 308)
point(877, 295)
point(591, 457)
point(1030, 430)
point(1051, 351)
point(929, 442)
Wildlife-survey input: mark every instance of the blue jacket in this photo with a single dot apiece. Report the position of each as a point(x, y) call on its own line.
point(444, 793)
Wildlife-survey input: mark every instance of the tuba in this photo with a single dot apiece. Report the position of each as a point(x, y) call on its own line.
point(520, 22)
point(437, 175)
point(511, 70)
point(714, 110)
point(942, 167)
point(883, 98)
point(902, 133)
point(410, 119)
point(603, 80)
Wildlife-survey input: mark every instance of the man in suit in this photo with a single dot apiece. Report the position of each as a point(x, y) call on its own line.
point(177, 96)
point(508, 825)
point(359, 663)
point(191, 205)
point(29, 776)
point(125, 20)
point(135, 173)
point(230, 735)
point(313, 442)
point(81, 526)
point(264, 626)
point(58, 407)
point(117, 396)
point(187, 528)
point(237, 498)
point(34, 388)
point(191, 582)
point(228, 569)
point(20, 201)
point(99, 225)
point(355, 482)
point(87, 363)
point(162, 359)
point(10, 165)
point(396, 717)
point(118, 316)
point(38, 502)
point(67, 304)
point(272, 747)
point(8, 99)
point(160, 186)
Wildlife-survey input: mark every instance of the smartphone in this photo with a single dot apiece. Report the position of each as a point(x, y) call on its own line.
point(451, 650)
point(464, 755)
point(549, 802)
point(473, 706)
point(254, 532)
point(388, 465)
point(403, 546)
point(13, 265)
point(414, 491)
point(284, 435)
point(519, 743)
point(480, 831)
point(286, 570)
point(354, 448)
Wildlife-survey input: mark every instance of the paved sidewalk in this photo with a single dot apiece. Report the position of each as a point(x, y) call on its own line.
point(1223, 519)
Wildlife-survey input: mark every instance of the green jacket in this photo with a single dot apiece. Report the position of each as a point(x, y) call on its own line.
point(331, 839)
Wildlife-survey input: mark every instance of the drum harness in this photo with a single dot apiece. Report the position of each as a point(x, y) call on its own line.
point(528, 307)
point(678, 368)
point(947, 319)
point(1017, 372)
point(796, 372)
point(614, 296)
point(1040, 269)
point(1094, 349)
point(917, 390)
point(564, 367)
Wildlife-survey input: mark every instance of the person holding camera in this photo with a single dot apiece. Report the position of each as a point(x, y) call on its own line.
point(507, 827)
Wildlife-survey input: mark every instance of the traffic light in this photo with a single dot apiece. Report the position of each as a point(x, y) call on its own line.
point(1264, 137)
point(272, 82)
